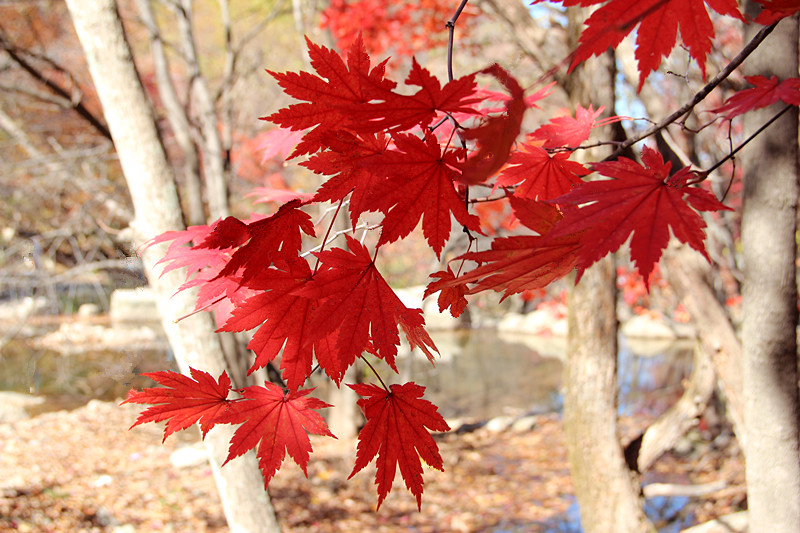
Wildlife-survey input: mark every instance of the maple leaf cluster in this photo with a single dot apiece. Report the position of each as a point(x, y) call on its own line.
point(413, 156)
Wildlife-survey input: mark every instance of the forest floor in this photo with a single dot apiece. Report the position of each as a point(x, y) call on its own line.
point(83, 470)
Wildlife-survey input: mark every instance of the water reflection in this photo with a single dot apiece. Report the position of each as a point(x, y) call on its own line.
point(480, 374)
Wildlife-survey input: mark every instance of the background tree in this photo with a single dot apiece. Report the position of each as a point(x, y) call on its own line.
point(151, 184)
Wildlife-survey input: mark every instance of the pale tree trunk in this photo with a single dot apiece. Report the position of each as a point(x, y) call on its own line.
point(608, 492)
point(132, 124)
point(769, 340)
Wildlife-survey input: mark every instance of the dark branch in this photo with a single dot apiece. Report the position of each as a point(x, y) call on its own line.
point(78, 106)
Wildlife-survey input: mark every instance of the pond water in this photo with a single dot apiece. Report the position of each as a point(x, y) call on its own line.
point(480, 374)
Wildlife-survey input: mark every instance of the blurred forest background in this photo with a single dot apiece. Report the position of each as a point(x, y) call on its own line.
point(76, 323)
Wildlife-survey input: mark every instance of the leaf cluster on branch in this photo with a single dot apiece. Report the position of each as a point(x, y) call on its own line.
point(417, 156)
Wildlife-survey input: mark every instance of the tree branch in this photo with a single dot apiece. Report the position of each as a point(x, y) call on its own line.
point(700, 95)
point(76, 103)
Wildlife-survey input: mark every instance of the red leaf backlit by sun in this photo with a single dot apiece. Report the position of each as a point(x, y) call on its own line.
point(765, 92)
point(421, 185)
point(641, 200)
point(496, 134)
point(328, 99)
point(361, 308)
point(519, 263)
point(398, 429)
point(275, 423)
point(183, 401)
point(283, 319)
point(571, 132)
point(404, 112)
point(541, 176)
point(346, 159)
point(658, 22)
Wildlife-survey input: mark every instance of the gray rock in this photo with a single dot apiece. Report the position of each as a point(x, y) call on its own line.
point(88, 310)
point(13, 404)
point(133, 306)
point(524, 424)
point(499, 424)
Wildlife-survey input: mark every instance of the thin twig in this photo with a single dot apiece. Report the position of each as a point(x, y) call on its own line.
point(699, 96)
point(339, 233)
point(753, 136)
point(451, 29)
point(327, 233)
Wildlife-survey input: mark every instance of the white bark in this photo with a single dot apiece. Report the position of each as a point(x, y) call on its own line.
point(131, 121)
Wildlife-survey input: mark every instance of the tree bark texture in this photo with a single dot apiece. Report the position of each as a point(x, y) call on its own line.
point(769, 338)
point(608, 491)
point(149, 177)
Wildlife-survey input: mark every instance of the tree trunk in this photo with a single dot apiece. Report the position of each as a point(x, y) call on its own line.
point(132, 124)
point(608, 491)
point(769, 339)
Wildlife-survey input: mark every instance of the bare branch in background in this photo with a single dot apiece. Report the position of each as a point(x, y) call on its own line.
point(176, 115)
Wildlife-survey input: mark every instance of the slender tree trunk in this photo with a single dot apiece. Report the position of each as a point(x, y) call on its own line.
point(608, 491)
point(132, 124)
point(769, 339)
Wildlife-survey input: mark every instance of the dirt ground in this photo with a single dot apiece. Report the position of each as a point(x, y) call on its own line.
point(84, 471)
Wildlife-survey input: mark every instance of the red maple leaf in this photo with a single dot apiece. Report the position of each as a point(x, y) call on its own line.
point(277, 237)
point(571, 132)
point(451, 296)
point(203, 265)
point(345, 159)
point(765, 92)
point(284, 319)
point(277, 423)
point(329, 99)
point(398, 429)
point(420, 186)
point(519, 263)
point(183, 401)
point(361, 308)
point(495, 135)
point(774, 10)
point(403, 112)
point(641, 200)
point(658, 31)
point(543, 176)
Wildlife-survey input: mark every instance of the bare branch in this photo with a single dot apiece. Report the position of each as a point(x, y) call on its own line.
point(74, 98)
point(700, 95)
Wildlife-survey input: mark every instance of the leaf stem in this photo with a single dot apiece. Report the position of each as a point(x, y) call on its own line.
point(375, 372)
point(199, 310)
point(451, 28)
point(327, 234)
